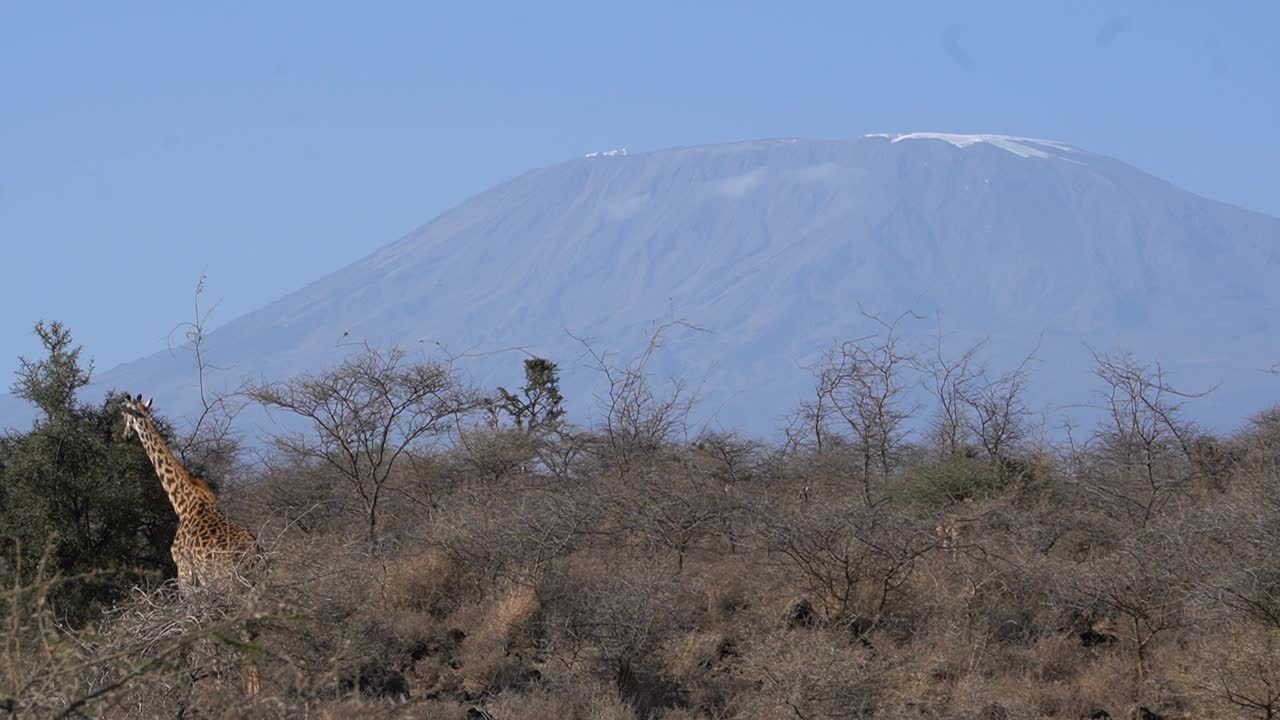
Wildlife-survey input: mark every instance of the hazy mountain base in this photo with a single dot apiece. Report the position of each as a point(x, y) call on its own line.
point(1231, 370)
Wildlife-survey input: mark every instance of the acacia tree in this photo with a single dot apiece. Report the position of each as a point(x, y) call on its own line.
point(949, 381)
point(852, 560)
point(1145, 445)
point(366, 414)
point(997, 413)
point(637, 417)
point(1146, 585)
point(51, 383)
point(861, 386)
point(539, 405)
point(808, 424)
point(672, 506)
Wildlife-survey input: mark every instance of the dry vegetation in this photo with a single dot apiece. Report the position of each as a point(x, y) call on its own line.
point(627, 571)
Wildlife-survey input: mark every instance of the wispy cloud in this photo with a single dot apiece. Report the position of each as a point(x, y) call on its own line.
point(951, 46)
point(740, 185)
point(1112, 29)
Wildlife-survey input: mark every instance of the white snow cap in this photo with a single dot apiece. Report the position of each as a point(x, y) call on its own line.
point(1021, 146)
point(607, 153)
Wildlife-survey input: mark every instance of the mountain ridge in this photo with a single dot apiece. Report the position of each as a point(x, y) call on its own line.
point(772, 243)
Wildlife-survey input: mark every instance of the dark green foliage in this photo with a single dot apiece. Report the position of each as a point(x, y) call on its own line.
point(72, 486)
point(540, 404)
point(51, 383)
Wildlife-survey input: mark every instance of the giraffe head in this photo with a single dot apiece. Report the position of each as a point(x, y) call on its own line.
point(135, 413)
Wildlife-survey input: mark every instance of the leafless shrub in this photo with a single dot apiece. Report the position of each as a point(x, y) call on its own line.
point(1237, 535)
point(210, 443)
point(948, 381)
point(1259, 448)
point(578, 701)
point(492, 455)
point(668, 505)
point(139, 662)
point(512, 533)
point(636, 418)
point(1239, 670)
point(997, 413)
point(728, 458)
point(852, 561)
point(561, 449)
point(494, 656)
point(1146, 586)
point(425, 581)
point(807, 675)
point(860, 388)
point(1144, 447)
point(607, 625)
point(298, 494)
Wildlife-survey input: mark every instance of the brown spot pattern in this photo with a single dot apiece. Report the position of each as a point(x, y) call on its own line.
point(208, 546)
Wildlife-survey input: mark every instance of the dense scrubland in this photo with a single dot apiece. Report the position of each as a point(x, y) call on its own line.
point(434, 550)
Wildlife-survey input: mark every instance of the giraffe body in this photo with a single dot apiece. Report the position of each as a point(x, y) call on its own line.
point(208, 547)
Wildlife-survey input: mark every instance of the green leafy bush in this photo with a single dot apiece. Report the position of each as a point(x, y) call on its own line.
point(945, 483)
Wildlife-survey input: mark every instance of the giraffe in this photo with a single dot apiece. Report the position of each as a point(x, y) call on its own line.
point(208, 547)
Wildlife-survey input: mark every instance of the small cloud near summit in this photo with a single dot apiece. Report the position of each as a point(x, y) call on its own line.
point(951, 46)
point(1112, 29)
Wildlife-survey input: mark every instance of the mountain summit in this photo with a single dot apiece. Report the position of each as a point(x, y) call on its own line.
point(774, 246)
point(1020, 146)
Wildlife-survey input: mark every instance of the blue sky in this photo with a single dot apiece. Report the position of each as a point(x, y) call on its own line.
point(142, 144)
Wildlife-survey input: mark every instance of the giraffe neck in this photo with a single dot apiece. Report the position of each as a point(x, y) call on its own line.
point(186, 494)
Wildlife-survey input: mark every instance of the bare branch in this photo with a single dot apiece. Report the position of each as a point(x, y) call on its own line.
point(366, 414)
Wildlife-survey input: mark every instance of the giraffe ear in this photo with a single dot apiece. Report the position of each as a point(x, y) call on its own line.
point(149, 401)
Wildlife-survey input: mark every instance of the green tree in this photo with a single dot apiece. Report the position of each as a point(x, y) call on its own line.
point(51, 383)
point(72, 487)
point(539, 404)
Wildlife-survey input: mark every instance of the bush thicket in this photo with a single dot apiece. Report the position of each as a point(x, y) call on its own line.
point(505, 563)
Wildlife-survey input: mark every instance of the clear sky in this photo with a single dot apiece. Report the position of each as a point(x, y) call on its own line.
point(267, 144)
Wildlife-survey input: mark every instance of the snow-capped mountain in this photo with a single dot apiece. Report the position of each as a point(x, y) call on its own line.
point(774, 246)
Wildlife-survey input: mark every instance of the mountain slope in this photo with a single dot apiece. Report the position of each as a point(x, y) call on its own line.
point(773, 246)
